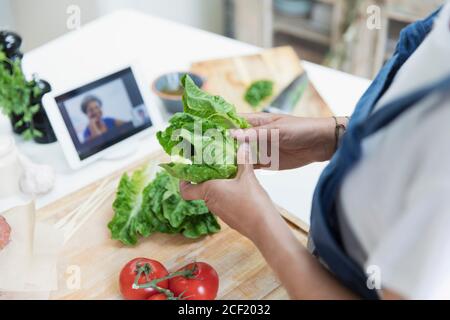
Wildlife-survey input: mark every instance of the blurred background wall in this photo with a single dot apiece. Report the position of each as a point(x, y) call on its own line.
point(6, 18)
point(329, 32)
point(203, 14)
point(39, 21)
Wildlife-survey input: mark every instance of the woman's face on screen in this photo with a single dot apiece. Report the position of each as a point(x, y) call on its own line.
point(94, 111)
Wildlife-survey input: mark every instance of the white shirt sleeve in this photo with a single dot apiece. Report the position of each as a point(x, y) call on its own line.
point(396, 199)
point(414, 256)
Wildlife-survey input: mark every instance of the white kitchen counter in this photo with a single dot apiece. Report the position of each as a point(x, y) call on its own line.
point(159, 46)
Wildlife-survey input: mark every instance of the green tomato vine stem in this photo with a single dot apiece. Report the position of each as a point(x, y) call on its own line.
point(146, 270)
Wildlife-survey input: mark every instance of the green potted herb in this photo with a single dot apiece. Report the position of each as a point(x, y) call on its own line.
point(20, 99)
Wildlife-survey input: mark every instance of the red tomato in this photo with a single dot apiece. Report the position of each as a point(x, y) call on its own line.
point(154, 270)
point(159, 296)
point(203, 285)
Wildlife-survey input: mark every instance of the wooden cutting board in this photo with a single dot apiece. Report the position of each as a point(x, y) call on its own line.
point(242, 270)
point(231, 77)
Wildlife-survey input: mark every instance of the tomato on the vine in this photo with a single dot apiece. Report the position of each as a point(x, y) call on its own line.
point(149, 270)
point(203, 284)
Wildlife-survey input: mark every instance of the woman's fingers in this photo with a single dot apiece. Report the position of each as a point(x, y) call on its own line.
point(258, 119)
point(245, 135)
point(261, 124)
point(191, 191)
point(245, 163)
point(245, 160)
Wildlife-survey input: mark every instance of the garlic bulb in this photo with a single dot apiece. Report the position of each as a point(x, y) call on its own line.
point(36, 179)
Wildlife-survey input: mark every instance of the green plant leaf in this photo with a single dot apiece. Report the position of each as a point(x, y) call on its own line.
point(19, 123)
point(37, 133)
point(34, 109)
point(28, 134)
point(15, 95)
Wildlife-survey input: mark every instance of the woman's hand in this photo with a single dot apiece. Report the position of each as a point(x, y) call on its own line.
point(244, 205)
point(96, 127)
point(301, 140)
point(241, 203)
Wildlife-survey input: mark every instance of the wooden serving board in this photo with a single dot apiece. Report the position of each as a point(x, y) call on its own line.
point(231, 77)
point(242, 270)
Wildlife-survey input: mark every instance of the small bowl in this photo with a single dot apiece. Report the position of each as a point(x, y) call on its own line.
point(168, 88)
point(294, 8)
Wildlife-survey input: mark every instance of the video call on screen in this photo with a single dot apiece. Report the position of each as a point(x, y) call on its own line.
point(103, 113)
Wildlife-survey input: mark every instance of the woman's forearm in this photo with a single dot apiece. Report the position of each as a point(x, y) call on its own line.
point(326, 137)
point(300, 273)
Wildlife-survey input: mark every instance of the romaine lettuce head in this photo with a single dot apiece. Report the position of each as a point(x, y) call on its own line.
point(129, 220)
point(215, 108)
point(144, 206)
point(198, 139)
point(198, 173)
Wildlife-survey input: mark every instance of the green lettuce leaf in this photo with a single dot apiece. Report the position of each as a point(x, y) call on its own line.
point(199, 173)
point(129, 220)
point(143, 207)
point(258, 91)
point(200, 135)
point(199, 103)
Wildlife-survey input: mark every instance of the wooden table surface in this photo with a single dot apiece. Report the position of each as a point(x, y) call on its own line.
point(242, 270)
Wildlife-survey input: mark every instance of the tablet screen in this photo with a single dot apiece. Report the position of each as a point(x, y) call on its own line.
point(103, 113)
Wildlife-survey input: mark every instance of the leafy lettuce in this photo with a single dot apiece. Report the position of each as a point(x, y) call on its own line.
point(144, 206)
point(258, 91)
point(198, 139)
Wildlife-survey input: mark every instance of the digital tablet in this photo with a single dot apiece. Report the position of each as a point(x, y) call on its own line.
point(99, 117)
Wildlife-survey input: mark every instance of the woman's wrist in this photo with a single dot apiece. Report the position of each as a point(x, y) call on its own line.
point(324, 139)
point(329, 132)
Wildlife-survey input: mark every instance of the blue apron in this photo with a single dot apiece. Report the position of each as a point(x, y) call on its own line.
point(324, 231)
